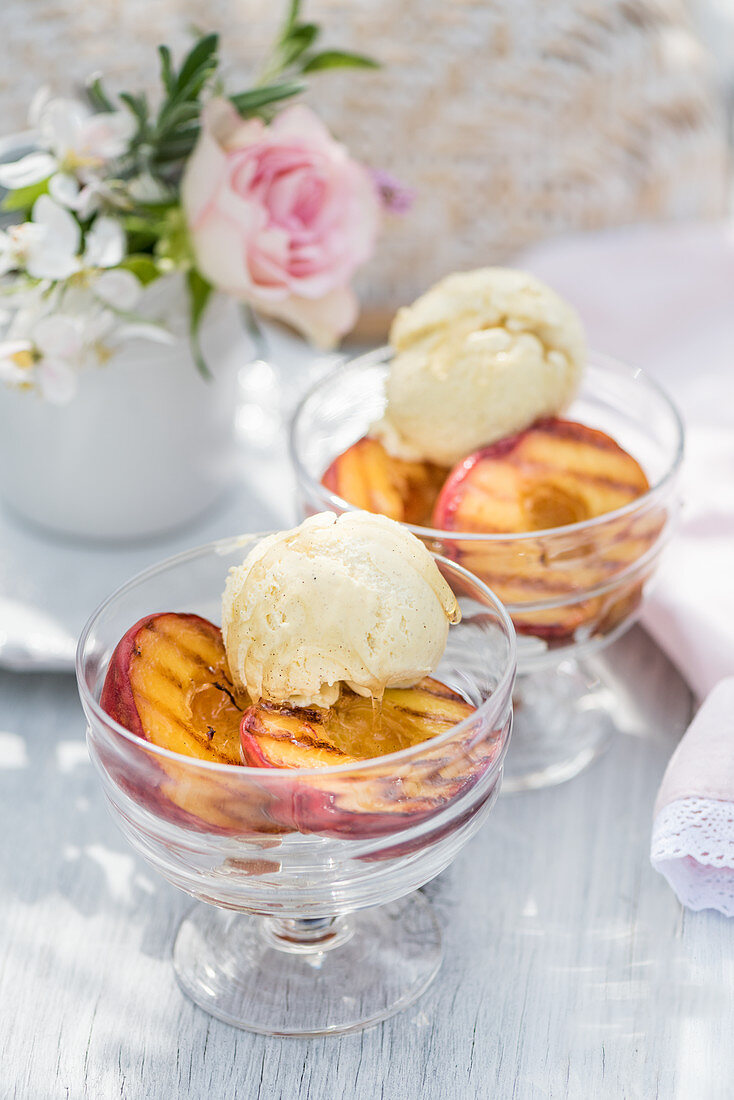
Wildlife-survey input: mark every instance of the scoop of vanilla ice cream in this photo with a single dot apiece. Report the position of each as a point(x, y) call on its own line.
point(480, 355)
point(356, 600)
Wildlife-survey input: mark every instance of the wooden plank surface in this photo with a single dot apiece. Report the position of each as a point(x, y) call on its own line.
point(570, 969)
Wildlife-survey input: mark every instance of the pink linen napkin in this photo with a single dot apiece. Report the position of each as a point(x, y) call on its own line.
point(662, 297)
point(693, 832)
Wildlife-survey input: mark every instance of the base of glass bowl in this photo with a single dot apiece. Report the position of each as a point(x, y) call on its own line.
point(323, 976)
point(562, 722)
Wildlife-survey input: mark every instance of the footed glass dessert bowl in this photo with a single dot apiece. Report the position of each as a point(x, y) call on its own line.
point(308, 922)
point(573, 581)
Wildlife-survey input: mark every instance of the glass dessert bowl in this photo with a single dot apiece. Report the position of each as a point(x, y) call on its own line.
point(572, 585)
point(308, 922)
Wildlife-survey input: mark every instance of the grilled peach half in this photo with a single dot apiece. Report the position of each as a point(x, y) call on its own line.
point(168, 682)
point(368, 477)
point(343, 804)
point(553, 474)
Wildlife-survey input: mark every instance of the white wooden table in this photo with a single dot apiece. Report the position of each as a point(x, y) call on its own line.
point(570, 969)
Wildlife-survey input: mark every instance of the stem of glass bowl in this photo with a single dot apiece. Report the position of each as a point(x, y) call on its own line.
point(306, 935)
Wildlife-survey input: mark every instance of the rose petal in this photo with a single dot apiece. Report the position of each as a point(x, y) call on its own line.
point(205, 171)
point(221, 258)
point(300, 122)
point(323, 321)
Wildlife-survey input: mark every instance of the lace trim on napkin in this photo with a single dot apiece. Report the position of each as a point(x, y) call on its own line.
point(693, 847)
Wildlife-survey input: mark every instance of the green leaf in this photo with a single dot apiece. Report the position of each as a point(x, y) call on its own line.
point(298, 41)
point(138, 104)
point(142, 233)
point(168, 76)
point(254, 331)
point(247, 102)
point(294, 10)
point(143, 267)
point(173, 247)
point(176, 148)
point(201, 55)
point(183, 113)
point(199, 294)
point(133, 223)
point(24, 197)
point(174, 114)
point(338, 59)
point(190, 91)
point(97, 96)
point(182, 104)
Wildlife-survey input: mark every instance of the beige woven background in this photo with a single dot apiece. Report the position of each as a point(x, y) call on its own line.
point(513, 119)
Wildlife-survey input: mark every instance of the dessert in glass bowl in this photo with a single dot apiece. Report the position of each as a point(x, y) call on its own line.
point(547, 471)
point(305, 768)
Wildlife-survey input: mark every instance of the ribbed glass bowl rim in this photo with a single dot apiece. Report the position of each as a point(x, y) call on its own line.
point(382, 354)
point(500, 695)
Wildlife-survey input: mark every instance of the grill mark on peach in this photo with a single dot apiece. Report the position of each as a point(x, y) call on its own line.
point(154, 677)
point(180, 731)
point(191, 643)
point(547, 553)
point(425, 716)
point(630, 490)
point(172, 656)
point(516, 581)
point(307, 737)
point(553, 580)
point(286, 710)
point(442, 692)
point(429, 686)
point(160, 709)
point(572, 429)
point(540, 472)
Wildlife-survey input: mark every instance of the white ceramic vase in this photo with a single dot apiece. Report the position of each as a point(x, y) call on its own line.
point(146, 444)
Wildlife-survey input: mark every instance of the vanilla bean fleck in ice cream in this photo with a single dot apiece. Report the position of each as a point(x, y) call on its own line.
point(355, 600)
point(480, 355)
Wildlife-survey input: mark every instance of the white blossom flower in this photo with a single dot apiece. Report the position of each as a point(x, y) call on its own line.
point(28, 170)
point(105, 244)
point(87, 198)
point(74, 142)
point(53, 339)
point(119, 289)
point(48, 247)
point(78, 136)
point(16, 357)
point(48, 361)
point(59, 347)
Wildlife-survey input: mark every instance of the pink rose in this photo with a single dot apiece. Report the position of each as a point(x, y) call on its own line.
point(280, 216)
